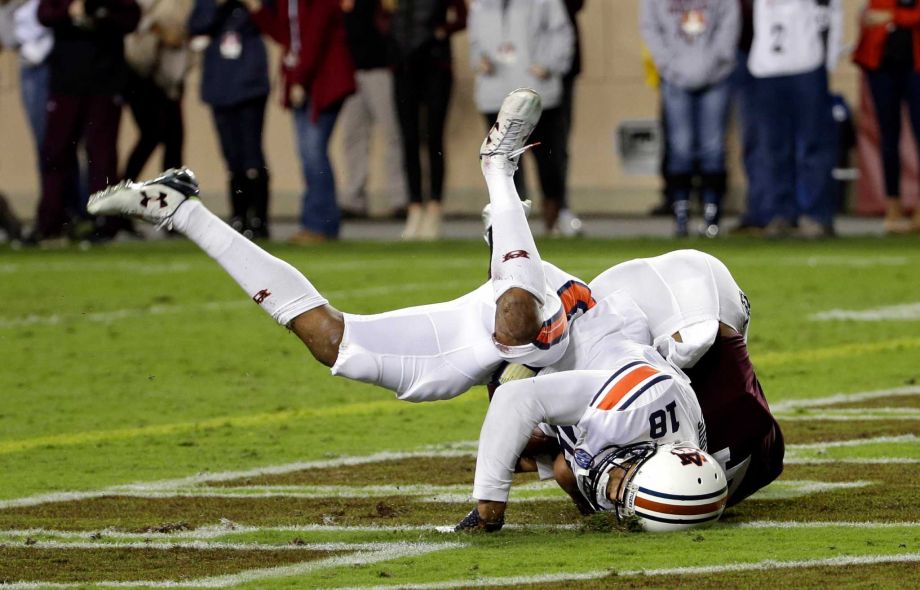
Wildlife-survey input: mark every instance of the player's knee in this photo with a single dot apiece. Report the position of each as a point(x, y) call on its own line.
point(321, 329)
point(517, 318)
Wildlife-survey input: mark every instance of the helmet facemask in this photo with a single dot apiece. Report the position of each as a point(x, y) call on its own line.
point(620, 464)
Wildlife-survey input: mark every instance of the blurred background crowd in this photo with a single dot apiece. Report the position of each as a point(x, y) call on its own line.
point(381, 74)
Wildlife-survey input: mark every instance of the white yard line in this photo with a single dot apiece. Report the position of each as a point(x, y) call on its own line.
point(784, 489)
point(841, 398)
point(857, 442)
point(904, 312)
point(866, 461)
point(767, 565)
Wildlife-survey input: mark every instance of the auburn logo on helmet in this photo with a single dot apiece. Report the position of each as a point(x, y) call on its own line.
point(515, 254)
point(689, 456)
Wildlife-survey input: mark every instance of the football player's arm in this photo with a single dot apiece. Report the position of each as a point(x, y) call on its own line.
point(516, 409)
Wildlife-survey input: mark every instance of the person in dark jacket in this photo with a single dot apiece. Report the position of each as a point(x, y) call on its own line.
point(234, 82)
point(86, 81)
point(889, 54)
point(424, 80)
point(318, 75)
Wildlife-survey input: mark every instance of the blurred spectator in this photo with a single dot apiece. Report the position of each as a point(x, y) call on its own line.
point(318, 76)
point(572, 8)
point(424, 80)
point(366, 24)
point(889, 54)
point(234, 82)
point(521, 43)
point(756, 216)
point(34, 42)
point(790, 62)
point(693, 45)
point(158, 61)
point(86, 81)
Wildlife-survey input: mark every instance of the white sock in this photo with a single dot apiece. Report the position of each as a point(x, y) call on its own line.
point(515, 259)
point(276, 286)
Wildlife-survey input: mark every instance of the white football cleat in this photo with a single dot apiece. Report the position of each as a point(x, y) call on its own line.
point(154, 201)
point(505, 142)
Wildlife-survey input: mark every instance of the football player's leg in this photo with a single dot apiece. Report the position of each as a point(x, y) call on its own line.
point(276, 286)
point(516, 270)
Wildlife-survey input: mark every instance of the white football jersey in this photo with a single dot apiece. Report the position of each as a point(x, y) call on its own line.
point(685, 291)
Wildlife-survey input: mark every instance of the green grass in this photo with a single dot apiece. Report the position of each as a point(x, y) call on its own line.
point(144, 362)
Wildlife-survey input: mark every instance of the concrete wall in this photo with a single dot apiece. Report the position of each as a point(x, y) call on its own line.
point(610, 90)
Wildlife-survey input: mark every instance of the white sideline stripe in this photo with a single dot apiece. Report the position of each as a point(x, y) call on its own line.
point(211, 532)
point(766, 565)
point(214, 306)
point(840, 398)
point(857, 442)
point(862, 461)
point(456, 450)
point(203, 546)
point(785, 489)
point(904, 312)
point(387, 552)
point(866, 415)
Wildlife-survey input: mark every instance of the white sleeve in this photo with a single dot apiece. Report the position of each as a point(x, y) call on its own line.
point(518, 407)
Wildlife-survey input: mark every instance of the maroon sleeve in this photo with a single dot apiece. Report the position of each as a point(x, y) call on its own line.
point(52, 13)
point(269, 21)
point(315, 34)
point(121, 16)
point(455, 18)
point(907, 17)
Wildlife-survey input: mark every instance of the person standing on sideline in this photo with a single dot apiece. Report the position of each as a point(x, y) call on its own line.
point(373, 103)
point(87, 78)
point(569, 224)
point(693, 44)
point(234, 83)
point(158, 60)
point(889, 54)
point(422, 30)
point(318, 76)
point(795, 43)
point(526, 44)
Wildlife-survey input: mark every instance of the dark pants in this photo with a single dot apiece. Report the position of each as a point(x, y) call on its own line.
point(92, 119)
point(800, 147)
point(737, 415)
point(159, 121)
point(568, 103)
point(892, 85)
point(757, 213)
point(550, 133)
point(422, 81)
point(239, 129)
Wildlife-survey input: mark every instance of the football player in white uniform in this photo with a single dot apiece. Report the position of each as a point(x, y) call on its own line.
point(523, 314)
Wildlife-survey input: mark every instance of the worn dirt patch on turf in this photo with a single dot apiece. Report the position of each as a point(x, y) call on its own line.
point(424, 470)
point(54, 564)
point(141, 514)
point(877, 576)
point(891, 497)
point(812, 431)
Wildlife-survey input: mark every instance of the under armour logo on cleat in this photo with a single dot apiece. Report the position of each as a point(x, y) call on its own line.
point(145, 199)
point(261, 296)
point(515, 254)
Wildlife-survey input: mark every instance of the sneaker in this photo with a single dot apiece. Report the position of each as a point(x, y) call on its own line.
point(9, 223)
point(710, 230)
point(527, 205)
point(474, 523)
point(779, 228)
point(810, 229)
point(430, 226)
point(505, 142)
point(154, 201)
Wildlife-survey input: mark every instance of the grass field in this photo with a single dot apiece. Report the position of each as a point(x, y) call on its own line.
point(158, 430)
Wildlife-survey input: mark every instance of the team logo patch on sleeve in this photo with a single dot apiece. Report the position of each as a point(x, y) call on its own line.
point(515, 254)
point(261, 296)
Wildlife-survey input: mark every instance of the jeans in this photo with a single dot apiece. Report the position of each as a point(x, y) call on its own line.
point(696, 122)
point(34, 91)
point(799, 134)
point(752, 146)
point(319, 212)
point(891, 86)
